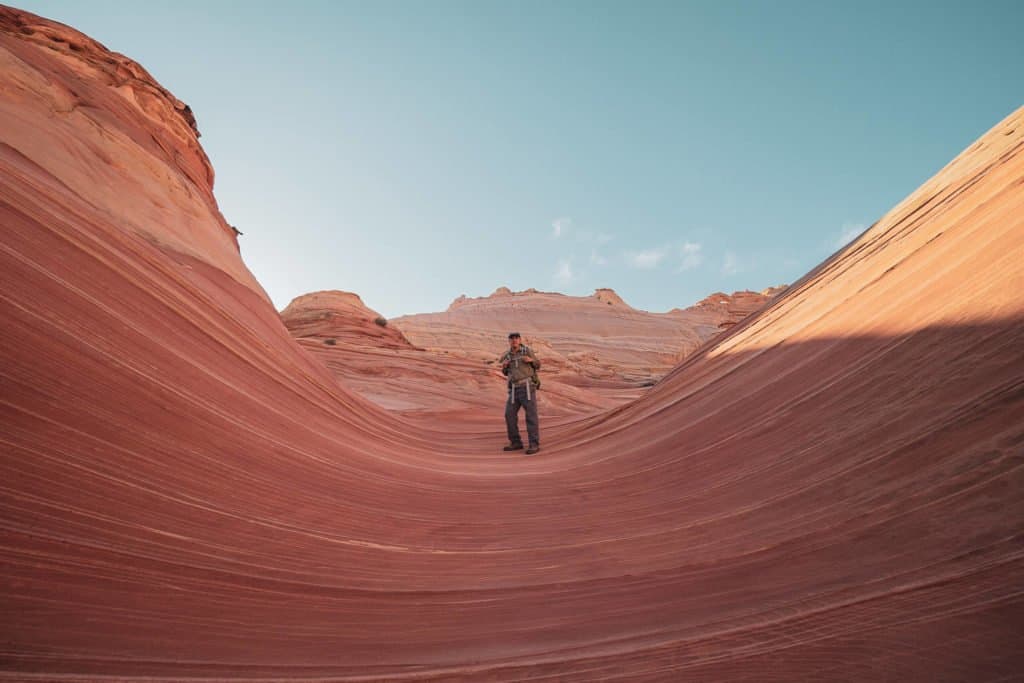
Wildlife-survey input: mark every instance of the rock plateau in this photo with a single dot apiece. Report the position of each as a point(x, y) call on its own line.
point(596, 341)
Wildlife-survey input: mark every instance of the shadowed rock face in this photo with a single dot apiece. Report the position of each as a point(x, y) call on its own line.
point(831, 490)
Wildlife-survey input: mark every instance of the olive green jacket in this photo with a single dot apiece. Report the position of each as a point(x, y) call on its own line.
point(518, 369)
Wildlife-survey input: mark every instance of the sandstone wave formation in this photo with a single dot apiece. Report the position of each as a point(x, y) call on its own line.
point(597, 351)
point(372, 357)
point(597, 341)
point(832, 490)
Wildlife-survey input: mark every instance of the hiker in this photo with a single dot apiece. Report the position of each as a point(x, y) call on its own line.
point(520, 366)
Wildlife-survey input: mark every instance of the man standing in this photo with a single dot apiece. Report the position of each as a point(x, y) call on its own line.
point(520, 366)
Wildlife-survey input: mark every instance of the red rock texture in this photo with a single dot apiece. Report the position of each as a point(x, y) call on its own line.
point(336, 317)
point(596, 341)
point(372, 357)
point(831, 491)
point(100, 125)
point(727, 309)
point(602, 366)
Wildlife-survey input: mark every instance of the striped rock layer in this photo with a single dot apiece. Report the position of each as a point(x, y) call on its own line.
point(830, 491)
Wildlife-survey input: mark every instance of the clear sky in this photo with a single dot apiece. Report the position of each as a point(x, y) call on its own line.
point(415, 151)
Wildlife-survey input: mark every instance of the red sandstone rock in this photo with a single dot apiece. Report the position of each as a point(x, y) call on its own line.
point(341, 317)
point(726, 309)
point(598, 341)
point(597, 371)
point(830, 491)
point(372, 357)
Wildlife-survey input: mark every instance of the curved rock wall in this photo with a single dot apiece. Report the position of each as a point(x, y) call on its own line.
point(832, 491)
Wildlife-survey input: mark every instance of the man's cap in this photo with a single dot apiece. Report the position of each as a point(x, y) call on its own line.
point(514, 334)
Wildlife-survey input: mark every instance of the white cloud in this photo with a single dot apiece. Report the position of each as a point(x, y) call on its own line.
point(691, 256)
point(564, 272)
point(730, 264)
point(596, 258)
point(848, 233)
point(588, 237)
point(559, 226)
point(645, 259)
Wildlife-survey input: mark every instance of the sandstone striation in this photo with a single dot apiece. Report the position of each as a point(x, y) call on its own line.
point(334, 317)
point(113, 137)
point(597, 341)
point(831, 490)
point(372, 357)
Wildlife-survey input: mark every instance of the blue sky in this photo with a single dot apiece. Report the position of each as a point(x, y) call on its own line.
point(415, 151)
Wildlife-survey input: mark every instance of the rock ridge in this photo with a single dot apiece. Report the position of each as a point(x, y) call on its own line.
point(100, 124)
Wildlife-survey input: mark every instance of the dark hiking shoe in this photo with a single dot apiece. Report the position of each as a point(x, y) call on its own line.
point(513, 447)
point(532, 449)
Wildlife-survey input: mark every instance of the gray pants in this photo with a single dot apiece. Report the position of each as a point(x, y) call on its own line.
point(527, 398)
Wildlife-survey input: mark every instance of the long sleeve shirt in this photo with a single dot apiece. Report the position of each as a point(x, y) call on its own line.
point(519, 369)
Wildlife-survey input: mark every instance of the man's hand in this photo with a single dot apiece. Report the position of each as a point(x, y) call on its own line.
point(529, 359)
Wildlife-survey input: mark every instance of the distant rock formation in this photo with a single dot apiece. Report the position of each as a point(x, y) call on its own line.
point(608, 296)
point(597, 340)
point(340, 317)
point(729, 309)
point(371, 356)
